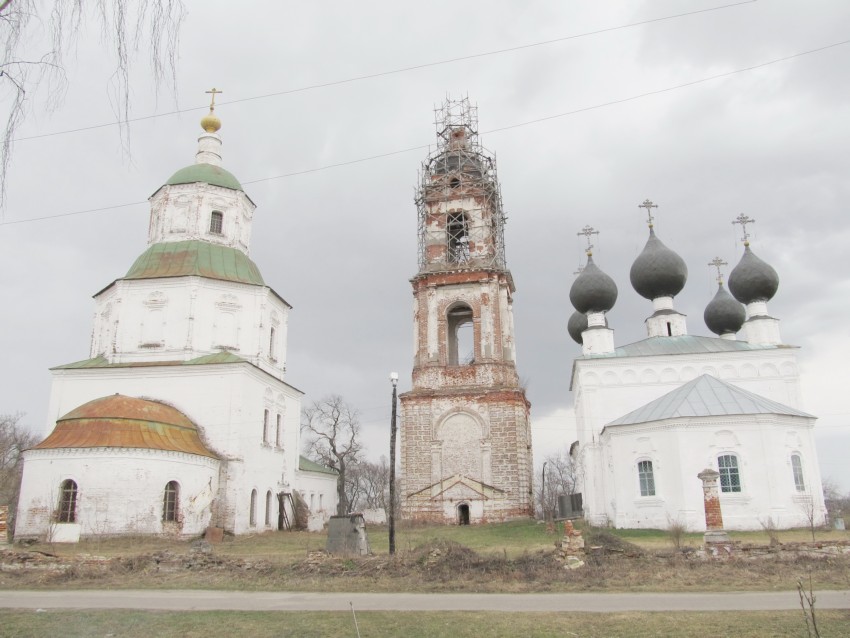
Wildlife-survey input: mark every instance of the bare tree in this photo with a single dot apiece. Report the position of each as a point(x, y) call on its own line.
point(14, 439)
point(837, 502)
point(373, 485)
point(563, 476)
point(37, 34)
point(333, 438)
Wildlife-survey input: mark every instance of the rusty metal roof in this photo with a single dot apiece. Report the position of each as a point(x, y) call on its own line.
point(120, 421)
point(200, 258)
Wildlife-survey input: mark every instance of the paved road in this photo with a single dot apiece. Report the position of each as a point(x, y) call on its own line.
point(185, 600)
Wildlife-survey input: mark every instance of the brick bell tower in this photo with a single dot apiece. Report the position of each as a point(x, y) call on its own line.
point(465, 433)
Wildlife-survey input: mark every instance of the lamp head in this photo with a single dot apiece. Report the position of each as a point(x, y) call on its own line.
point(394, 378)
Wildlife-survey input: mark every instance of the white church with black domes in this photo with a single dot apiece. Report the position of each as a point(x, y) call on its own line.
point(654, 414)
point(181, 418)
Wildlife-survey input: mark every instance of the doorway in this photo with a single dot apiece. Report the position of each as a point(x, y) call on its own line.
point(463, 514)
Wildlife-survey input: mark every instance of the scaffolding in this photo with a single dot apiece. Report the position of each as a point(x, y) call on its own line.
point(459, 200)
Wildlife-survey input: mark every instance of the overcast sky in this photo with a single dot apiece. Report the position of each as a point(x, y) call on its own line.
point(340, 244)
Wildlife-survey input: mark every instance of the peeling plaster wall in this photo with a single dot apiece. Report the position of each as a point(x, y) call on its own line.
point(119, 491)
point(227, 402)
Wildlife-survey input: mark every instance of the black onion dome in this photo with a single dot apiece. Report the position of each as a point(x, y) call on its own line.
point(723, 314)
point(576, 325)
point(658, 271)
point(593, 290)
point(753, 279)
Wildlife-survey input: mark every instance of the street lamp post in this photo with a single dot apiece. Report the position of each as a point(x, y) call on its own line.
point(394, 381)
point(543, 491)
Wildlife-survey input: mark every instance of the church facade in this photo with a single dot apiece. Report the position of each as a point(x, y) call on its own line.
point(652, 415)
point(181, 418)
point(465, 429)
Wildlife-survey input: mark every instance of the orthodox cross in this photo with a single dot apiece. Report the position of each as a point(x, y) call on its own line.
point(213, 92)
point(744, 220)
point(648, 205)
point(717, 263)
point(588, 232)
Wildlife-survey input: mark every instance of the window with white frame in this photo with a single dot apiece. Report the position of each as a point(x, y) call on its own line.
point(797, 469)
point(730, 477)
point(646, 478)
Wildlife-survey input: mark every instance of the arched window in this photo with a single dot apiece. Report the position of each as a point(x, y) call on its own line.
point(216, 222)
point(797, 469)
point(265, 426)
point(460, 332)
point(268, 508)
point(169, 502)
point(272, 343)
point(730, 478)
point(457, 235)
point(252, 515)
point(68, 502)
point(646, 477)
point(278, 433)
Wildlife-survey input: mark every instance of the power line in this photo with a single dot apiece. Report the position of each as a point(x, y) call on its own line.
point(495, 130)
point(369, 76)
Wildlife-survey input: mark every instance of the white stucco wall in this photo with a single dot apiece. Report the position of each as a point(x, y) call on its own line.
point(680, 449)
point(119, 491)
point(181, 212)
point(182, 318)
point(319, 492)
point(608, 388)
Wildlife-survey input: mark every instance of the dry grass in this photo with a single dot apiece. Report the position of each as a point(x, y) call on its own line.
point(135, 624)
point(511, 557)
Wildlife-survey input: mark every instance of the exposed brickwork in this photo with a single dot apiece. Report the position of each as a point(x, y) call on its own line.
point(465, 435)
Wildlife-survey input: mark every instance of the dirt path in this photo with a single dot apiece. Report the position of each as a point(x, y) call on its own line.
point(196, 600)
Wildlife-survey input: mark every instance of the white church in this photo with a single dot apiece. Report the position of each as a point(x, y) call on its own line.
point(652, 415)
point(181, 419)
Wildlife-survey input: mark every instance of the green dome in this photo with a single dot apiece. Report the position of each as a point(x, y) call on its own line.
point(206, 173)
point(198, 258)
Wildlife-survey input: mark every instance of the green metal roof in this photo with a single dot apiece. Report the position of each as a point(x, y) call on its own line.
point(206, 173)
point(306, 465)
point(200, 258)
point(101, 362)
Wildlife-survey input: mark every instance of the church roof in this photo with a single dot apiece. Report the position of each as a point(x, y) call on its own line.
point(306, 465)
point(206, 173)
point(102, 362)
point(682, 344)
point(705, 396)
point(193, 257)
point(119, 421)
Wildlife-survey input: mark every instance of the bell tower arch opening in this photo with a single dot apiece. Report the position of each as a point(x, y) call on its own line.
point(457, 234)
point(460, 332)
